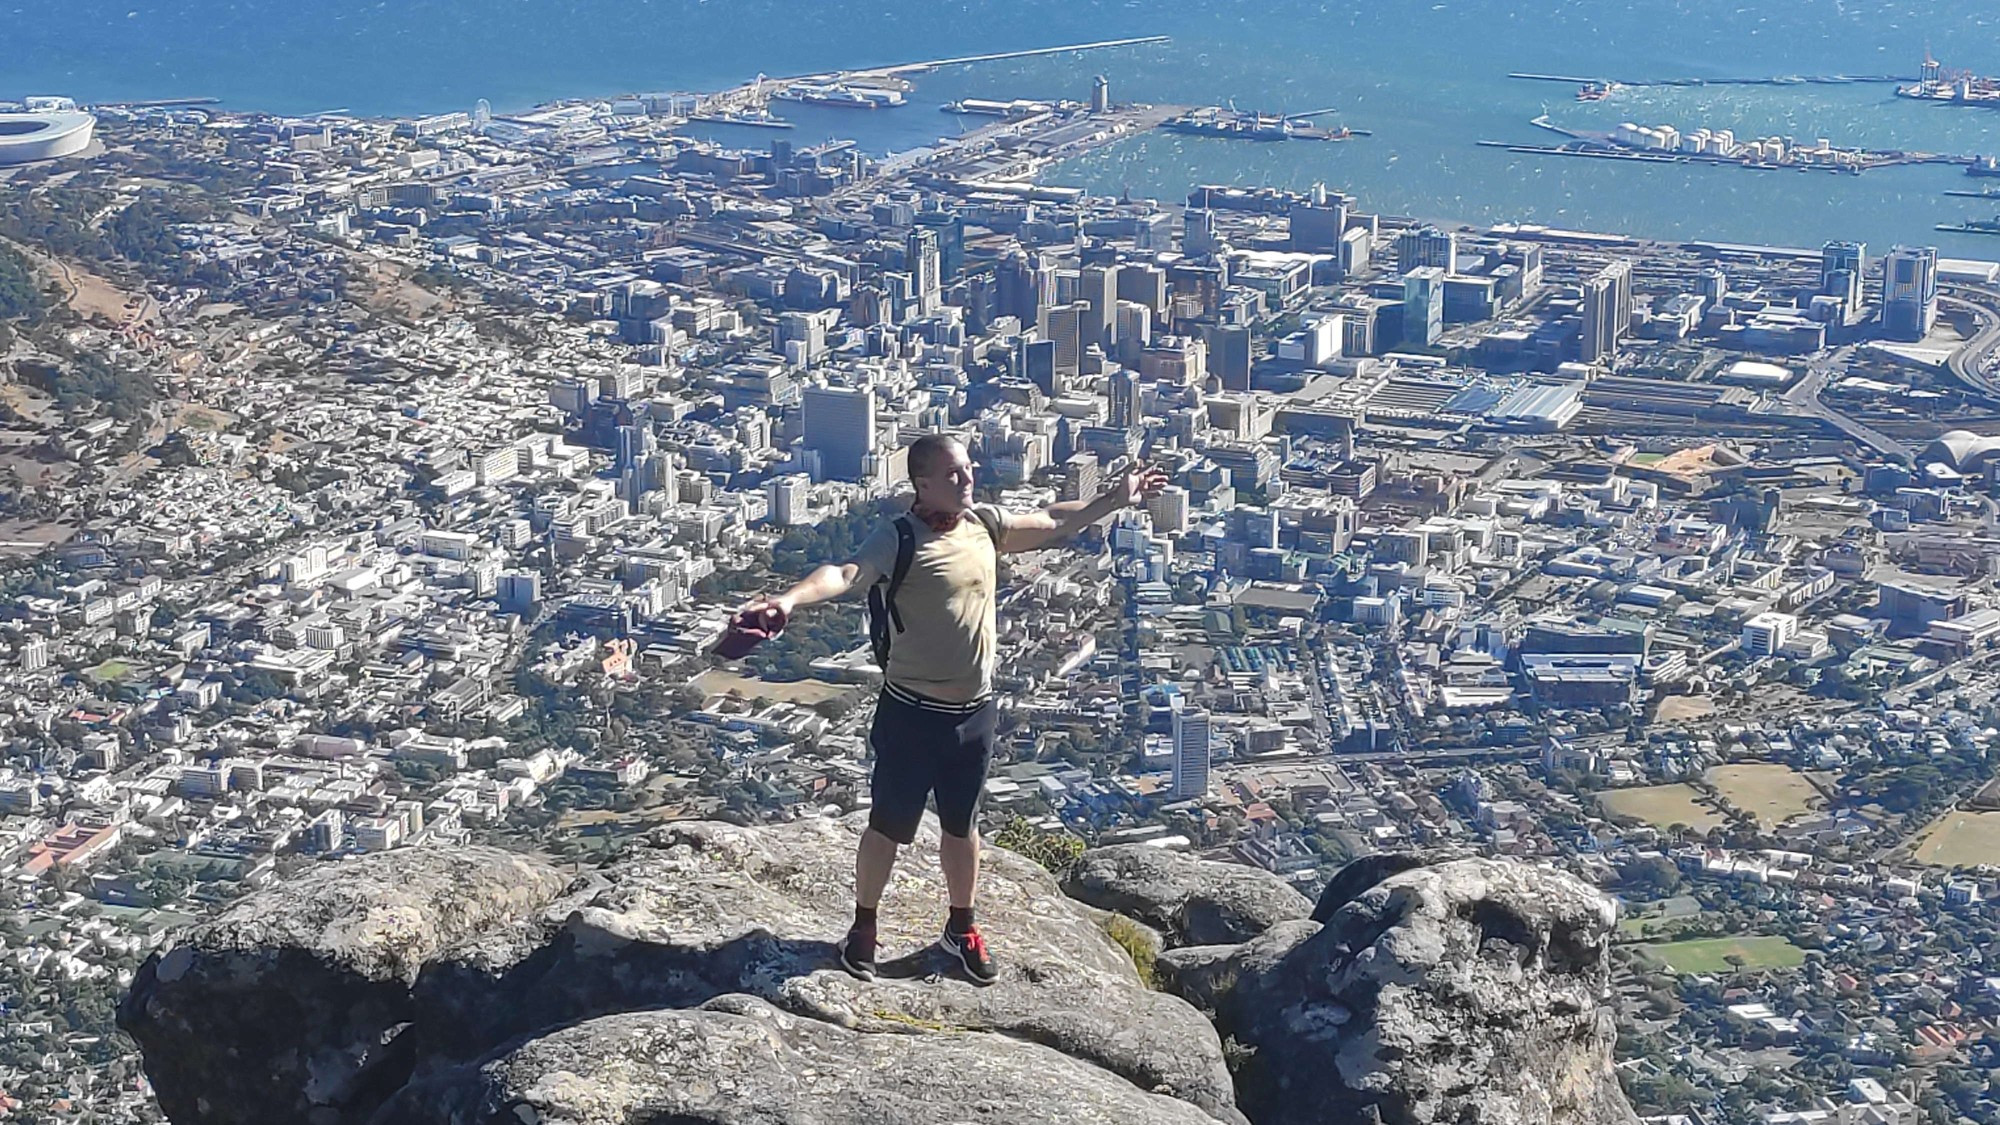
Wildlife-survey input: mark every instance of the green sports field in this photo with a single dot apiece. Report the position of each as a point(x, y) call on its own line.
point(1709, 955)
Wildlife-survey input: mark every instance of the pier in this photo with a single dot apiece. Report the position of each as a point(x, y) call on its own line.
point(1782, 80)
point(998, 56)
point(756, 94)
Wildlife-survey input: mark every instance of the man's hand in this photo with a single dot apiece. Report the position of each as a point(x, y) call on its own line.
point(771, 613)
point(1141, 483)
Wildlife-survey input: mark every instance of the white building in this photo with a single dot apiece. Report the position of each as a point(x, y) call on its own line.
point(1192, 734)
point(1766, 633)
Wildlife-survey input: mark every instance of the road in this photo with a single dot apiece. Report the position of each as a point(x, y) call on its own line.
point(1972, 364)
point(1803, 400)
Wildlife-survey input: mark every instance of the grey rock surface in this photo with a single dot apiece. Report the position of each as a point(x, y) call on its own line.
point(1467, 993)
point(294, 1004)
point(1193, 901)
point(738, 1060)
point(317, 1001)
point(713, 909)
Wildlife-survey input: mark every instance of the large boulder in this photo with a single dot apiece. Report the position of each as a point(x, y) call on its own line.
point(292, 1005)
point(279, 1011)
point(1467, 993)
point(737, 1060)
point(1193, 901)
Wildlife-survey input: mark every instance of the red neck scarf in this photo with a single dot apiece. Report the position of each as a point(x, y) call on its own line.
point(939, 522)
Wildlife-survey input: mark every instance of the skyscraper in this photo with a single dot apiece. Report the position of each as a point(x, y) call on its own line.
point(1192, 735)
point(1316, 227)
point(1098, 287)
point(840, 427)
point(1229, 355)
point(950, 231)
point(1123, 393)
point(1423, 305)
point(1840, 271)
point(1909, 292)
point(1065, 325)
point(1607, 310)
point(920, 257)
point(1427, 246)
point(1017, 297)
point(1198, 238)
point(1600, 311)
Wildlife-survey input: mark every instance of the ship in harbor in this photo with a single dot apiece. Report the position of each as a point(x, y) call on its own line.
point(1972, 226)
point(1952, 87)
point(1985, 166)
point(1596, 91)
point(1215, 121)
point(1982, 193)
point(1015, 110)
point(841, 95)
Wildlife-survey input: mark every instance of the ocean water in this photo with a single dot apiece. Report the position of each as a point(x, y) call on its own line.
point(1429, 79)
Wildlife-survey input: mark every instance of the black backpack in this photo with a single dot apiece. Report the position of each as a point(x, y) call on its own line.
point(884, 620)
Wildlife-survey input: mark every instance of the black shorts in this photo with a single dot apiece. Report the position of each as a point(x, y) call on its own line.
point(924, 747)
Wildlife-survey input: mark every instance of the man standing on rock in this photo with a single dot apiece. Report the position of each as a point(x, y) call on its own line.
point(932, 577)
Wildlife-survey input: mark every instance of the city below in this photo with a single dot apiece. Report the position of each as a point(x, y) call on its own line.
point(386, 484)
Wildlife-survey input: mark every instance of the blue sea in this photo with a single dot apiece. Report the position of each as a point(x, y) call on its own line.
point(1429, 79)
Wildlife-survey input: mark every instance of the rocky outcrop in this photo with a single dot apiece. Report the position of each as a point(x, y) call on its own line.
point(692, 981)
point(737, 1060)
point(1467, 993)
point(1192, 901)
point(709, 910)
point(296, 1001)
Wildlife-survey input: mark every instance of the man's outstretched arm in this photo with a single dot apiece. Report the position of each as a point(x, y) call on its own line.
point(824, 584)
point(1034, 530)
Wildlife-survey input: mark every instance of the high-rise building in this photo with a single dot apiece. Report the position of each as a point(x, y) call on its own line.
point(1607, 311)
point(1097, 287)
point(1038, 365)
point(950, 230)
point(1840, 272)
point(1015, 296)
point(1714, 286)
point(1123, 393)
point(920, 260)
point(1316, 227)
point(1193, 733)
point(1135, 331)
point(1909, 292)
point(840, 427)
point(1198, 238)
point(1427, 246)
point(1229, 355)
point(1144, 284)
point(789, 498)
point(1423, 306)
point(1065, 326)
point(1169, 510)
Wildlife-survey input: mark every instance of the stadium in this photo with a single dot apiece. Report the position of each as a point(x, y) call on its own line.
point(27, 137)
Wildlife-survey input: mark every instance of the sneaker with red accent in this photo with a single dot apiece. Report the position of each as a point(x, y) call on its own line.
point(970, 949)
point(857, 953)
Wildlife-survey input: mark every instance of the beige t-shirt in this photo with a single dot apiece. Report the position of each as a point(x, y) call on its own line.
point(946, 602)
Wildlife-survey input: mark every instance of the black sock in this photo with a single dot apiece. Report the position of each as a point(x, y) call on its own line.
point(960, 920)
point(864, 918)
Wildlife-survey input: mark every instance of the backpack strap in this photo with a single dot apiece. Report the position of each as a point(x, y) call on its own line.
point(906, 553)
point(884, 620)
point(989, 518)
